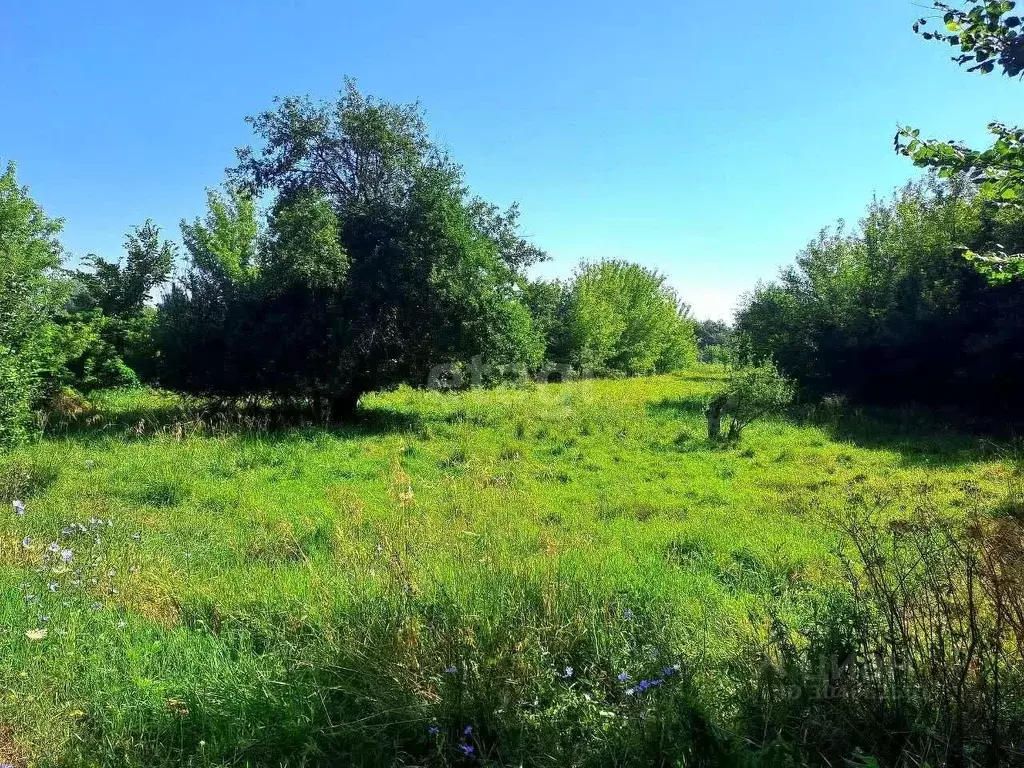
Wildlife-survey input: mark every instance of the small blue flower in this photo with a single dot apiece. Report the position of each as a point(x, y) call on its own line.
point(452, 670)
point(624, 677)
point(567, 673)
point(19, 507)
point(467, 731)
point(66, 555)
point(433, 730)
point(627, 614)
point(53, 546)
point(669, 671)
point(467, 749)
point(52, 586)
point(26, 542)
point(630, 691)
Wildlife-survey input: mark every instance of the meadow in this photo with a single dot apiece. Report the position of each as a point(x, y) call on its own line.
point(563, 574)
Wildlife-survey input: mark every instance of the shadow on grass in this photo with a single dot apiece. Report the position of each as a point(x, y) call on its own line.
point(920, 438)
point(184, 418)
point(679, 407)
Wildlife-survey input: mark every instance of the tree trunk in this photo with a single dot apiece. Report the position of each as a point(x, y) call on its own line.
point(714, 417)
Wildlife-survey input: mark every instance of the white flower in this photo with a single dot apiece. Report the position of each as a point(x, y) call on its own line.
point(19, 507)
point(36, 634)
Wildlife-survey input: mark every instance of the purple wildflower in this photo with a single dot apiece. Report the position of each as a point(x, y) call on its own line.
point(66, 555)
point(467, 749)
point(467, 731)
point(669, 671)
point(567, 673)
point(627, 614)
point(624, 677)
point(452, 670)
point(433, 730)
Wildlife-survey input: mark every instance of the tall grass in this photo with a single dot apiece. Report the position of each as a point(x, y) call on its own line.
point(560, 575)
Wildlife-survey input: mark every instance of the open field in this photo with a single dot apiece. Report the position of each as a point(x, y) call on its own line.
point(457, 578)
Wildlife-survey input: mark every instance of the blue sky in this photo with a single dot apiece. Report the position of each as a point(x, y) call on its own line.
point(709, 141)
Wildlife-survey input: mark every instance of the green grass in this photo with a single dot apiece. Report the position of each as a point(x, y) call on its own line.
point(309, 596)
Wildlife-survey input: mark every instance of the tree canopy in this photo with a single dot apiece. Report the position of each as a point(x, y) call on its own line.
point(375, 264)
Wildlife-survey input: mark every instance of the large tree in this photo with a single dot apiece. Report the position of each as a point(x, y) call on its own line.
point(376, 264)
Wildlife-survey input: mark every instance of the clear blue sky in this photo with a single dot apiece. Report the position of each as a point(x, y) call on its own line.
point(710, 141)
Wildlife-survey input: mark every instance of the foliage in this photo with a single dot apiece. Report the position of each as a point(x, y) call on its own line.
point(714, 341)
point(548, 301)
point(30, 295)
point(988, 35)
point(121, 291)
point(624, 317)
point(890, 313)
point(105, 334)
point(376, 265)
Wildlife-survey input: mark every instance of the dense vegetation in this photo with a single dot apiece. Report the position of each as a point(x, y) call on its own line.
point(893, 313)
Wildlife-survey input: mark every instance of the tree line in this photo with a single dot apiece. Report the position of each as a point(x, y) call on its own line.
point(922, 301)
point(346, 254)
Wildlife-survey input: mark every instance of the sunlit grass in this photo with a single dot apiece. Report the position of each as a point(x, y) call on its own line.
point(301, 596)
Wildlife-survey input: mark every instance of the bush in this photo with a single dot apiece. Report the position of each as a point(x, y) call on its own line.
point(752, 392)
point(106, 333)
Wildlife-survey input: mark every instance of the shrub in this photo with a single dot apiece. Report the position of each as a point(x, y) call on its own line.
point(918, 659)
point(752, 392)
